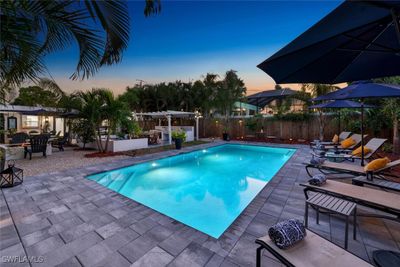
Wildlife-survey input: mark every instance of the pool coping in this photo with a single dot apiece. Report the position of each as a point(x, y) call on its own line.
point(222, 248)
point(191, 151)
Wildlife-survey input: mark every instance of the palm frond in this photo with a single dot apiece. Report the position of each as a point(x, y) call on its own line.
point(152, 7)
point(114, 18)
point(52, 86)
point(31, 29)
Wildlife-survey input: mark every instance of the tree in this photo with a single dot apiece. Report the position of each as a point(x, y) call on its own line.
point(91, 111)
point(32, 29)
point(35, 95)
point(231, 89)
point(130, 97)
point(85, 134)
point(100, 105)
point(317, 90)
point(391, 107)
point(113, 111)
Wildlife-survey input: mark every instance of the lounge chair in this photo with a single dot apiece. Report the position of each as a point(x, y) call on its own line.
point(347, 168)
point(38, 144)
point(376, 182)
point(374, 144)
point(342, 136)
point(376, 199)
point(355, 137)
point(313, 250)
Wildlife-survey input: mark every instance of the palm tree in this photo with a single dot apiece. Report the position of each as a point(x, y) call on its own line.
point(391, 107)
point(316, 90)
point(99, 105)
point(113, 111)
point(32, 29)
point(91, 110)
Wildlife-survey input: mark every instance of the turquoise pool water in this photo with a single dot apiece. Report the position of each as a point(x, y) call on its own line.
point(205, 189)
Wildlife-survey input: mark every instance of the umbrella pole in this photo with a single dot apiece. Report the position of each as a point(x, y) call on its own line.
point(339, 121)
point(362, 132)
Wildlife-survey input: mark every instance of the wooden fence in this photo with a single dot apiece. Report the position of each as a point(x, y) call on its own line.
point(237, 128)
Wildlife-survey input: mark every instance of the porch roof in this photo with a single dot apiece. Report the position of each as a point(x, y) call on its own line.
point(37, 110)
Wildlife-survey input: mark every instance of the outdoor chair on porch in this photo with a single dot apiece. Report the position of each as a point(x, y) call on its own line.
point(38, 144)
point(60, 142)
point(19, 138)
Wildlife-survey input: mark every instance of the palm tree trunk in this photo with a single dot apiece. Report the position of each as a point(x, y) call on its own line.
point(321, 126)
point(107, 140)
point(396, 137)
point(98, 138)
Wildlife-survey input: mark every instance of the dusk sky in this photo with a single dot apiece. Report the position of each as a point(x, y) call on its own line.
point(190, 38)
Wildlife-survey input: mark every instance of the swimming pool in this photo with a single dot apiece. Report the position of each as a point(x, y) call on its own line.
point(205, 189)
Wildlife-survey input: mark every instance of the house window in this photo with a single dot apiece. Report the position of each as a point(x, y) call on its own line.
point(12, 122)
point(29, 121)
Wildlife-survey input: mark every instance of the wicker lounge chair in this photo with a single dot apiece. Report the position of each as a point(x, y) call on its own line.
point(342, 136)
point(38, 144)
point(313, 250)
point(376, 199)
point(347, 168)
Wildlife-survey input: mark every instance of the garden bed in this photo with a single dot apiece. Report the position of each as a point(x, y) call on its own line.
point(103, 154)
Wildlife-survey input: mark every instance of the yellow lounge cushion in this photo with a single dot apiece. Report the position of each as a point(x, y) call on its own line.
point(335, 139)
point(376, 164)
point(357, 151)
point(346, 143)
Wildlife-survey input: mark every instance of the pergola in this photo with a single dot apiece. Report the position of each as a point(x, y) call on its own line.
point(172, 114)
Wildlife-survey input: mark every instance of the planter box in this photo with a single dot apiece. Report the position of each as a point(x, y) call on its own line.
point(121, 145)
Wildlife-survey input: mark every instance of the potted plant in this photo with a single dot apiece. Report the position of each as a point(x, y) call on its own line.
point(179, 137)
point(225, 134)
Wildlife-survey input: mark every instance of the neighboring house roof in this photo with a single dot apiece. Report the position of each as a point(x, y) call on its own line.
point(263, 98)
point(38, 110)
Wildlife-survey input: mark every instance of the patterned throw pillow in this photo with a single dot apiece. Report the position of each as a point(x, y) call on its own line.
point(317, 161)
point(287, 233)
point(318, 179)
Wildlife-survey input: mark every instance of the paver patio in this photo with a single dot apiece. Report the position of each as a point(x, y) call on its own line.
point(69, 220)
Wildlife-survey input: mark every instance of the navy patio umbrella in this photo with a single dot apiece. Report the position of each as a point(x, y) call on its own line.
point(359, 40)
point(338, 104)
point(362, 90)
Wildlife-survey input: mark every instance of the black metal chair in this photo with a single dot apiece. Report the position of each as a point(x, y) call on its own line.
point(38, 145)
point(19, 138)
point(60, 142)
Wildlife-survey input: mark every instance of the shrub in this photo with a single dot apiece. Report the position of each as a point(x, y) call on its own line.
point(179, 135)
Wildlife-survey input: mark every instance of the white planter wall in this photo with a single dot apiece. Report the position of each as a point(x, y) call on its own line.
point(121, 145)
